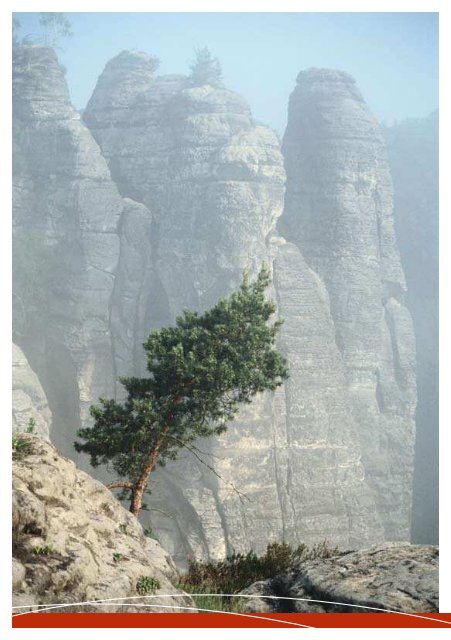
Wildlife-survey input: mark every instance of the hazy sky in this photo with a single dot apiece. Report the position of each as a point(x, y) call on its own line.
point(393, 56)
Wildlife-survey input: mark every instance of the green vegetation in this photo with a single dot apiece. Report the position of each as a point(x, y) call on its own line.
point(239, 571)
point(153, 63)
point(205, 69)
point(123, 528)
point(56, 27)
point(21, 446)
point(200, 372)
point(147, 584)
point(16, 26)
point(117, 557)
point(43, 551)
point(31, 425)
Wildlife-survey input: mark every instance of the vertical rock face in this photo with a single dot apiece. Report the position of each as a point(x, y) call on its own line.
point(321, 478)
point(29, 401)
point(215, 185)
point(199, 191)
point(213, 181)
point(130, 301)
point(66, 211)
point(413, 152)
point(338, 211)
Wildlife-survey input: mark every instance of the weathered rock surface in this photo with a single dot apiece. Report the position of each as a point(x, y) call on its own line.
point(213, 181)
point(132, 300)
point(339, 212)
point(392, 577)
point(320, 475)
point(28, 397)
point(215, 184)
point(73, 542)
point(413, 153)
point(65, 200)
point(199, 191)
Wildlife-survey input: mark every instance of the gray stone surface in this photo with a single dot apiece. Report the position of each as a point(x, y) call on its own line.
point(28, 397)
point(329, 455)
point(321, 477)
point(413, 152)
point(76, 518)
point(215, 183)
point(132, 298)
point(64, 196)
point(392, 577)
point(339, 212)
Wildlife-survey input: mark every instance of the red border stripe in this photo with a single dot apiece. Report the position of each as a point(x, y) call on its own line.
point(222, 620)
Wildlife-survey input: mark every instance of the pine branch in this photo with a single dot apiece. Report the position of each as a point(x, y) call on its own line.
point(199, 451)
point(120, 484)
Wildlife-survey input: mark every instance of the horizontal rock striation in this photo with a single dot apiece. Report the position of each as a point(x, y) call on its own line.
point(339, 212)
point(323, 483)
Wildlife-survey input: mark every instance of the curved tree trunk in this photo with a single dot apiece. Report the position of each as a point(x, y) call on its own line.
point(140, 485)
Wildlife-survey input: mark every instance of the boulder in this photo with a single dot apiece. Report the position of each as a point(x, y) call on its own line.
point(389, 577)
point(74, 543)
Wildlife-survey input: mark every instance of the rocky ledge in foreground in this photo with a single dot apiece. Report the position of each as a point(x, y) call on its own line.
point(394, 576)
point(73, 542)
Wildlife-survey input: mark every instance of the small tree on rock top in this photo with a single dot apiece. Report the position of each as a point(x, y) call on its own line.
point(200, 371)
point(56, 26)
point(16, 27)
point(205, 69)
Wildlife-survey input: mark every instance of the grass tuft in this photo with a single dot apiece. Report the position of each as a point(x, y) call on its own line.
point(238, 571)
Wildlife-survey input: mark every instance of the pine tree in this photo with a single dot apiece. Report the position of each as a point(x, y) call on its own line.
point(16, 27)
point(56, 26)
point(205, 69)
point(200, 371)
